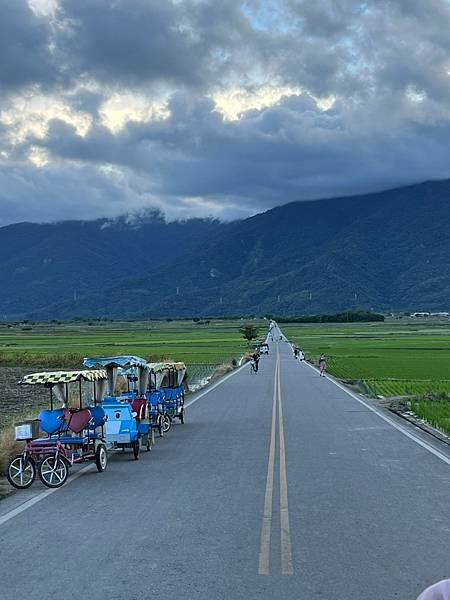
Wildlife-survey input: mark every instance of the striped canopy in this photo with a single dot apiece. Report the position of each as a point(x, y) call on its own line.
point(55, 377)
point(178, 366)
point(162, 366)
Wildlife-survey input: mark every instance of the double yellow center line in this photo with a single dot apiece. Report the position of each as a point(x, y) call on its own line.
point(266, 529)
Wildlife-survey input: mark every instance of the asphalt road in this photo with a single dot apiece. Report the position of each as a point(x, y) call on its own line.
point(279, 486)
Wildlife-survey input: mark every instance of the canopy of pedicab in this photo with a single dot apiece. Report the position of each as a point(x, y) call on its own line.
point(125, 362)
point(164, 370)
point(113, 363)
point(55, 377)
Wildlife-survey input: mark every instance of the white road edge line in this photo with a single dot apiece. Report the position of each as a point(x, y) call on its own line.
point(35, 499)
point(32, 501)
point(399, 428)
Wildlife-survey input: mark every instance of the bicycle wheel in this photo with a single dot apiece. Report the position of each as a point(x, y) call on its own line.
point(101, 458)
point(167, 423)
point(21, 471)
point(53, 471)
point(160, 425)
point(136, 448)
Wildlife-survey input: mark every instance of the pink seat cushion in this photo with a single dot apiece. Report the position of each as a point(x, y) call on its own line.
point(139, 406)
point(78, 420)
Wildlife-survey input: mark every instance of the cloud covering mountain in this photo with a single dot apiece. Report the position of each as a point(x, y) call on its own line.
point(223, 108)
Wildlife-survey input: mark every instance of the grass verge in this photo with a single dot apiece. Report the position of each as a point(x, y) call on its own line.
point(434, 412)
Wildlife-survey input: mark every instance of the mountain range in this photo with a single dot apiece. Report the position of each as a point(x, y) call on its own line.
point(384, 251)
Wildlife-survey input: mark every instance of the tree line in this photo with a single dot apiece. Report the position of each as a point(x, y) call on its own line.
point(348, 316)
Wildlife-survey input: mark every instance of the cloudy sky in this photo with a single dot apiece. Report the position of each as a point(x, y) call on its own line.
point(217, 107)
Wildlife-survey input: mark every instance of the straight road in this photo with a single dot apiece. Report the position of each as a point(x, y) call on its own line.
point(280, 485)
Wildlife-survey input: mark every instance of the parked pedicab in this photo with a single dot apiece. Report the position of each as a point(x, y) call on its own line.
point(155, 396)
point(148, 407)
point(128, 424)
point(173, 391)
point(73, 435)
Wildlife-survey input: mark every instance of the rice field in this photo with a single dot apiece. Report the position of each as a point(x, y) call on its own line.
point(54, 344)
point(387, 359)
point(407, 387)
point(435, 413)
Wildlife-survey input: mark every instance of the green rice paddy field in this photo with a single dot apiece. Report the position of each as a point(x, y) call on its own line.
point(60, 344)
point(388, 359)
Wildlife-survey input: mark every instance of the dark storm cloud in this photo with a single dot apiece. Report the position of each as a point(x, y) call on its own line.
point(25, 56)
point(383, 66)
point(289, 152)
point(138, 41)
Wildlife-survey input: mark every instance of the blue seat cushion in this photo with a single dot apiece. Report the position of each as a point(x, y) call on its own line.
point(98, 416)
point(67, 439)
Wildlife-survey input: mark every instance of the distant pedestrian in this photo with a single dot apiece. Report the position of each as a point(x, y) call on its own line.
point(438, 591)
point(301, 355)
point(255, 358)
point(322, 364)
point(296, 352)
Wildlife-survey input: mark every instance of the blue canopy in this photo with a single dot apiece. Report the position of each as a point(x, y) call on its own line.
point(112, 363)
point(115, 361)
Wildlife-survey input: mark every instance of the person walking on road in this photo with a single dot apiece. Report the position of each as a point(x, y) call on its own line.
point(322, 365)
point(301, 355)
point(255, 358)
point(296, 352)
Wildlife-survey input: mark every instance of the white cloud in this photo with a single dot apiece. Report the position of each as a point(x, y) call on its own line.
point(29, 114)
point(122, 108)
point(38, 156)
point(45, 8)
point(233, 103)
point(414, 95)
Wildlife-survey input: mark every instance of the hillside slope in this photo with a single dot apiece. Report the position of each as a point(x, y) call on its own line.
point(389, 250)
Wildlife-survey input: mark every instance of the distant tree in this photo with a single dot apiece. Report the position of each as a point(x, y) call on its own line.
point(249, 331)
